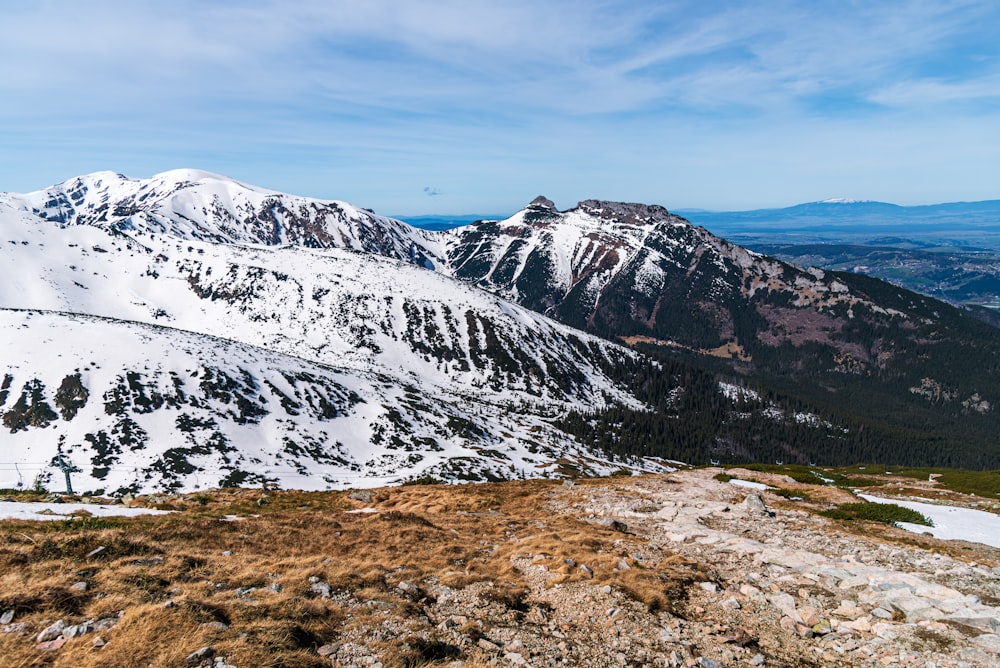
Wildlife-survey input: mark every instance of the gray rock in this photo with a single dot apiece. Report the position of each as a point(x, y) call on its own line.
point(7, 617)
point(51, 645)
point(321, 589)
point(79, 587)
point(822, 628)
point(52, 632)
point(758, 660)
point(881, 613)
point(515, 659)
point(989, 642)
point(586, 571)
point(328, 650)
point(755, 505)
point(408, 588)
point(617, 525)
point(215, 626)
point(199, 655)
point(96, 552)
point(705, 662)
point(363, 495)
point(78, 630)
point(105, 623)
point(786, 604)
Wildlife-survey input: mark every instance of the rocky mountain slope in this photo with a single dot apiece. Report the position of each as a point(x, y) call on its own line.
point(822, 366)
point(640, 275)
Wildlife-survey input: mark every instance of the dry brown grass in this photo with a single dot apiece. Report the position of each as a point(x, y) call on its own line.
point(170, 578)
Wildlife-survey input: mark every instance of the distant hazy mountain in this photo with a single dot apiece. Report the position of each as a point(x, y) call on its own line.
point(948, 251)
point(851, 215)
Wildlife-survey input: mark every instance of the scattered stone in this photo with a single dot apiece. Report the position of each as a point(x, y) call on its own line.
point(881, 613)
point(586, 571)
point(96, 552)
point(7, 617)
point(822, 628)
point(152, 561)
point(731, 603)
point(710, 587)
point(328, 650)
point(227, 553)
point(77, 630)
point(758, 660)
point(705, 662)
point(614, 524)
point(98, 642)
point(321, 589)
point(106, 623)
point(199, 655)
point(786, 604)
point(79, 587)
point(363, 495)
point(51, 645)
point(52, 632)
point(755, 505)
point(487, 645)
point(215, 626)
point(515, 659)
point(989, 641)
point(408, 588)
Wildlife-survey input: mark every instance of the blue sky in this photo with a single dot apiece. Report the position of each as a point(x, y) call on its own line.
point(415, 106)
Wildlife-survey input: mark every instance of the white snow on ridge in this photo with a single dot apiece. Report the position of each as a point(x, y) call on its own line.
point(950, 523)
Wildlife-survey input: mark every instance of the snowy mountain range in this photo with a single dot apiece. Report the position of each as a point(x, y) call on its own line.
point(190, 330)
point(183, 339)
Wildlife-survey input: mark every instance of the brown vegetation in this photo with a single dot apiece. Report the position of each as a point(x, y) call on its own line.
point(247, 586)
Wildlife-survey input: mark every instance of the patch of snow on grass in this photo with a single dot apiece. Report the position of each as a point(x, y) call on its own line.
point(748, 483)
point(950, 523)
point(18, 510)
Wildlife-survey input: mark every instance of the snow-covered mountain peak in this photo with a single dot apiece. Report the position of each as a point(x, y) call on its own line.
point(542, 202)
point(198, 205)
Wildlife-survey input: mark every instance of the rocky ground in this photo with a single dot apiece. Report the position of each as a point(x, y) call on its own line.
point(673, 570)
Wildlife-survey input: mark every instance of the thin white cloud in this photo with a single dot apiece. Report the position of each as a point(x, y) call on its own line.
point(446, 90)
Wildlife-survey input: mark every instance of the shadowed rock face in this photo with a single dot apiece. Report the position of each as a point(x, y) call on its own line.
point(626, 212)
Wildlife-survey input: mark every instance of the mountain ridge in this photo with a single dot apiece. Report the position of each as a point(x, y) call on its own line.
point(450, 321)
